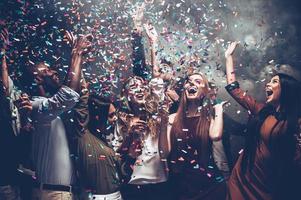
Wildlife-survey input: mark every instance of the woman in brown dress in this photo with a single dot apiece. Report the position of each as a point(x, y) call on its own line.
point(270, 166)
point(196, 124)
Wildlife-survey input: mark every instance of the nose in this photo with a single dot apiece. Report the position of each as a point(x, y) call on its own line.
point(191, 83)
point(268, 84)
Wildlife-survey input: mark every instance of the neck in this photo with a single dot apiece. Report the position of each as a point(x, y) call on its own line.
point(192, 108)
point(276, 106)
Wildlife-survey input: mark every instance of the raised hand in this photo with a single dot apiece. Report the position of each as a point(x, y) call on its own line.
point(70, 37)
point(83, 43)
point(231, 48)
point(25, 104)
point(80, 43)
point(138, 16)
point(151, 32)
point(4, 36)
point(138, 126)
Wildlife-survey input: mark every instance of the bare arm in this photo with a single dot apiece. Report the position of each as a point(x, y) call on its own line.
point(217, 123)
point(153, 40)
point(74, 72)
point(229, 63)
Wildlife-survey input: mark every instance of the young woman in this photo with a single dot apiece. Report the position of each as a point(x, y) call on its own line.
point(196, 124)
point(96, 162)
point(140, 127)
point(102, 114)
point(270, 166)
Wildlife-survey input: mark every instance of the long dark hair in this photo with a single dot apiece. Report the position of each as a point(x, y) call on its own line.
point(284, 148)
point(202, 126)
point(98, 114)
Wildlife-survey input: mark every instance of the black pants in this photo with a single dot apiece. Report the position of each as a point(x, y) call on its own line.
point(159, 191)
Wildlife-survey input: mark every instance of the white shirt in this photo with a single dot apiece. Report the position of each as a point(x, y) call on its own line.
point(14, 94)
point(148, 168)
point(50, 150)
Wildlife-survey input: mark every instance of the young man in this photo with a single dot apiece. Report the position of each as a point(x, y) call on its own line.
point(51, 155)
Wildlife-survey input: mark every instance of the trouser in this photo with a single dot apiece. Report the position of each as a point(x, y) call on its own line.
point(146, 192)
point(9, 192)
point(112, 196)
point(39, 194)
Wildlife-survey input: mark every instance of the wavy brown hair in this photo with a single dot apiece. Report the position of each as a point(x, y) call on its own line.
point(152, 108)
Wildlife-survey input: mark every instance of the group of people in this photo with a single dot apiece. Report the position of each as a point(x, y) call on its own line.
point(161, 140)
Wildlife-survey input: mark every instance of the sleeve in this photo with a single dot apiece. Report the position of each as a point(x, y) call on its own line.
point(14, 94)
point(139, 64)
point(10, 86)
point(298, 148)
point(245, 100)
point(77, 120)
point(220, 157)
point(50, 108)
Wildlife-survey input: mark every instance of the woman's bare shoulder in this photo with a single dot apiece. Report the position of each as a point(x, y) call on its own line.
point(171, 118)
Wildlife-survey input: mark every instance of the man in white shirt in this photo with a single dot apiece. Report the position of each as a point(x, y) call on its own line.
point(51, 154)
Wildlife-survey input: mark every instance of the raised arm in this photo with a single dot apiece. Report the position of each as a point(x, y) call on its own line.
point(229, 62)
point(77, 120)
point(245, 100)
point(80, 46)
point(4, 69)
point(153, 41)
point(217, 122)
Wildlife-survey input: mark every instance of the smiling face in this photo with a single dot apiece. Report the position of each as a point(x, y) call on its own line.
point(195, 87)
point(136, 90)
point(273, 91)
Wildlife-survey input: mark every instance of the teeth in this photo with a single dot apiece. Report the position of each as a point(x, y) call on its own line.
point(192, 90)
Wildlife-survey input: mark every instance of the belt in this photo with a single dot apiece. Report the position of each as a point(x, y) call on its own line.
point(112, 196)
point(62, 188)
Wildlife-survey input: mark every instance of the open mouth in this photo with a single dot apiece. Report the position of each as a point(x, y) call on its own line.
point(269, 92)
point(192, 90)
point(140, 96)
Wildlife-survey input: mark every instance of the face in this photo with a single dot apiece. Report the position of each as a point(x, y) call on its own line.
point(136, 91)
point(194, 87)
point(49, 77)
point(112, 117)
point(273, 91)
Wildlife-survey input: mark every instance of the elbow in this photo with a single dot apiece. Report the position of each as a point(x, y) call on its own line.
point(215, 136)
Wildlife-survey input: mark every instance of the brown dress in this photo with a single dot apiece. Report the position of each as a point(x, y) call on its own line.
point(260, 181)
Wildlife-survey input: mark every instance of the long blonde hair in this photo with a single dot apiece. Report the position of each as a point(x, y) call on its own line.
point(152, 108)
